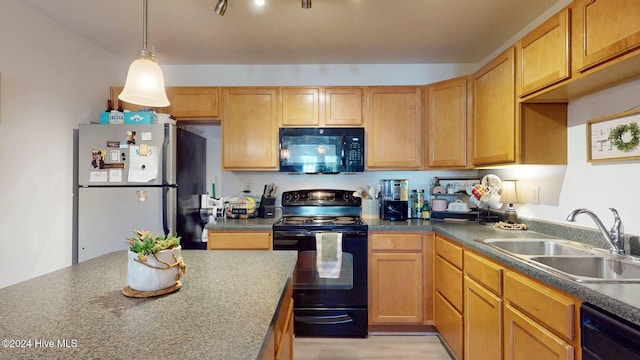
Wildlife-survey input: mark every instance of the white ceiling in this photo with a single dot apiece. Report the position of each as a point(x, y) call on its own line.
point(331, 32)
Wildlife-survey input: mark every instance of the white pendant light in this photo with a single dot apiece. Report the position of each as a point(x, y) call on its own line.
point(145, 82)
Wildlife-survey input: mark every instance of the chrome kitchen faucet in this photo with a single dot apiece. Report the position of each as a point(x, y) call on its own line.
point(615, 236)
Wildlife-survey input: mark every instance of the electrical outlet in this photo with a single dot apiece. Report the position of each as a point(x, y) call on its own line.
point(535, 195)
point(247, 187)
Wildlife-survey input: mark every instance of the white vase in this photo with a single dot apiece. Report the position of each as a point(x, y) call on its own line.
point(154, 275)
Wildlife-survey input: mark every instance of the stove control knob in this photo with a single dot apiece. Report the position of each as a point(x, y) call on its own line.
point(296, 197)
point(286, 197)
point(348, 197)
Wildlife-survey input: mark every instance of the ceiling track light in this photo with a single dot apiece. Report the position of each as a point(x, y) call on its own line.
point(306, 4)
point(221, 7)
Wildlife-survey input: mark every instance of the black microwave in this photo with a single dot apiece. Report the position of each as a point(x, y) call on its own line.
point(321, 150)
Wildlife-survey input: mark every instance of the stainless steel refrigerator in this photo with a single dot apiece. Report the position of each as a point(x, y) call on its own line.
point(146, 177)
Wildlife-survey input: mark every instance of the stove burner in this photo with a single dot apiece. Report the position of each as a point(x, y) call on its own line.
point(315, 220)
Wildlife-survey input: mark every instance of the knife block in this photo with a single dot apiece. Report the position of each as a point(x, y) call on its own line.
point(267, 207)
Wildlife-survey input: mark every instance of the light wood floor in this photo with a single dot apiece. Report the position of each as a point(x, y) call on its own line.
point(375, 347)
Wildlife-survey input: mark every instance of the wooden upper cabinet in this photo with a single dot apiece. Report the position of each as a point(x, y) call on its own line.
point(393, 121)
point(320, 106)
point(494, 130)
point(194, 103)
point(187, 102)
point(301, 106)
point(343, 106)
point(446, 105)
point(543, 55)
point(603, 30)
point(250, 128)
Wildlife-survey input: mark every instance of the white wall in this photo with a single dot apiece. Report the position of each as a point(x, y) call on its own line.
point(596, 186)
point(52, 80)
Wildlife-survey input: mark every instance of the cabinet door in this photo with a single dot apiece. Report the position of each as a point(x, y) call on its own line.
point(239, 240)
point(447, 123)
point(300, 106)
point(543, 55)
point(494, 131)
point(343, 106)
point(449, 323)
point(187, 103)
point(395, 288)
point(482, 322)
point(193, 103)
point(394, 128)
point(524, 339)
point(604, 29)
point(250, 129)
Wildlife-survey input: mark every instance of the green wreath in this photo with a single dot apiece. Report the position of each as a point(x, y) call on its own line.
point(616, 136)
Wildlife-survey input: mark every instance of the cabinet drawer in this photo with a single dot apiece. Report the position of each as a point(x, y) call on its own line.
point(485, 272)
point(449, 251)
point(239, 240)
point(449, 323)
point(546, 305)
point(402, 242)
point(449, 282)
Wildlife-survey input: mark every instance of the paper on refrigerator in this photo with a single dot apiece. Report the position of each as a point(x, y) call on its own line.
point(143, 167)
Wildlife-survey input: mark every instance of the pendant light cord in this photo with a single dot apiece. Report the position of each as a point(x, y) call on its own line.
point(144, 24)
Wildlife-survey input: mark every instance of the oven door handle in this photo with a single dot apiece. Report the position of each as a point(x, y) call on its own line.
point(324, 320)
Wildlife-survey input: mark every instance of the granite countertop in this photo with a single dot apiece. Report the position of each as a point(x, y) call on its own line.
point(620, 299)
point(224, 310)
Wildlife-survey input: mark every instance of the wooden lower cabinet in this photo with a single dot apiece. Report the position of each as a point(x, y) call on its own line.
point(504, 315)
point(448, 304)
point(526, 339)
point(239, 240)
point(280, 345)
point(540, 320)
point(400, 273)
point(482, 322)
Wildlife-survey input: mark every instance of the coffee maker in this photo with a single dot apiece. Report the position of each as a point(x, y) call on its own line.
point(394, 202)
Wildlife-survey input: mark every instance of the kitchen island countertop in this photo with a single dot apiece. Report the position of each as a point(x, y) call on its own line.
point(224, 310)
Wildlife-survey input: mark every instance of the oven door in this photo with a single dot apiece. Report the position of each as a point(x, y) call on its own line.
point(313, 291)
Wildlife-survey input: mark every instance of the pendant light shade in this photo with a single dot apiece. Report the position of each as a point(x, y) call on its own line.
point(145, 82)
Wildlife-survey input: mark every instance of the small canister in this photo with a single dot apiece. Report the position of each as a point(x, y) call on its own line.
point(417, 203)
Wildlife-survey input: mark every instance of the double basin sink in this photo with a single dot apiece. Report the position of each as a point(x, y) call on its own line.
point(574, 260)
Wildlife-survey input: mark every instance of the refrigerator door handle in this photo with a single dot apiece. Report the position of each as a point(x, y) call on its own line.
point(165, 208)
point(165, 154)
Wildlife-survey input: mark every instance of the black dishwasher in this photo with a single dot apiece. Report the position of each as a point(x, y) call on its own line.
point(606, 336)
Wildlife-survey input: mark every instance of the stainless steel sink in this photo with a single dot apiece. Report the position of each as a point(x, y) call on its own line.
point(574, 260)
point(530, 247)
point(593, 268)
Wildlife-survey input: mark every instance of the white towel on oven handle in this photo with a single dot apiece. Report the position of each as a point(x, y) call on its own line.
point(329, 254)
